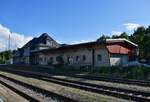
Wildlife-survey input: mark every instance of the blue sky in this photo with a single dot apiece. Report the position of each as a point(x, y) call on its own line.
point(70, 21)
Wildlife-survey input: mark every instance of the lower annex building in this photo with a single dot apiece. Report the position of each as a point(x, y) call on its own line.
point(44, 49)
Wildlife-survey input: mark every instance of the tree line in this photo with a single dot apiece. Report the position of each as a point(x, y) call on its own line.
point(5, 55)
point(140, 36)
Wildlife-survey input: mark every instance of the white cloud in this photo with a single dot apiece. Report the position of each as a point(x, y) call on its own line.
point(17, 40)
point(131, 26)
point(116, 32)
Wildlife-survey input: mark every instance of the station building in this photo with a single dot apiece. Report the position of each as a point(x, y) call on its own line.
point(108, 52)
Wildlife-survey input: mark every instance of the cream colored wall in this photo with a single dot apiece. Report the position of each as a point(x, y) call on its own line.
point(70, 53)
point(105, 57)
point(79, 52)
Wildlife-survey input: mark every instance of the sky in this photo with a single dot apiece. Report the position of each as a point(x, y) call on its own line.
point(69, 21)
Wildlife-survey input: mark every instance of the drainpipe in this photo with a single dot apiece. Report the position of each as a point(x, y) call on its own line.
point(93, 58)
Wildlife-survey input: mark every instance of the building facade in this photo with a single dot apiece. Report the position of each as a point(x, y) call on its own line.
point(24, 55)
point(109, 52)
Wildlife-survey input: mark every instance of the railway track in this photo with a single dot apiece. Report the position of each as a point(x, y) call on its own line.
point(30, 98)
point(133, 95)
point(116, 80)
point(27, 97)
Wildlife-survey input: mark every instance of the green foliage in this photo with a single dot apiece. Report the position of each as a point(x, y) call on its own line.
point(5, 55)
point(103, 37)
point(142, 73)
point(128, 73)
point(138, 38)
point(124, 35)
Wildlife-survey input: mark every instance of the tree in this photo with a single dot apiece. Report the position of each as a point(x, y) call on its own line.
point(138, 38)
point(103, 37)
point(115, 37)
point(124, 35)
point(5, 55)
point(146, 44)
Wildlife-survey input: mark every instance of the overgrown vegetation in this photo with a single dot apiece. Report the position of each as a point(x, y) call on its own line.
point(127, 73)
point(142, 73)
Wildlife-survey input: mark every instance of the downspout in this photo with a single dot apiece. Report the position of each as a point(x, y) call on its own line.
point(93, 58)
point(109, 54)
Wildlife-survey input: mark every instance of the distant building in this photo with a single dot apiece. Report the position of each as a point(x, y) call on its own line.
point(109, 52)
point(24, 55)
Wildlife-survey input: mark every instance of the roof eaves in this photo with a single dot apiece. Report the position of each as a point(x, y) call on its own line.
point(121, 40)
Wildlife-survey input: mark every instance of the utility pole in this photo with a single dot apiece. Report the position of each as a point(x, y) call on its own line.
point(9, 42)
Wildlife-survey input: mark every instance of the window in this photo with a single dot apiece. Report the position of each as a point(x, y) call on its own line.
point(84, 58)
point(99, 57)
point(77, 58)
point(68, 59)
point(50, 61)
point(51, 58)
point(41, 59)
point(45, 59)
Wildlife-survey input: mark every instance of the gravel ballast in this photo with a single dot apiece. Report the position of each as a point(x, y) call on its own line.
point(30, 92)
point(83, 96)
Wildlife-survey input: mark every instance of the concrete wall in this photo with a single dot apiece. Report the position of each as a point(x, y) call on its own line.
point(80, 52)
point(104, 56)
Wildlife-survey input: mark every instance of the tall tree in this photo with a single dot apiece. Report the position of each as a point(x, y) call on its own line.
point(147, 44)
point(5, 55)
point(103, 37)
point(138, 38)
point(124, 35)
point(115, 37)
